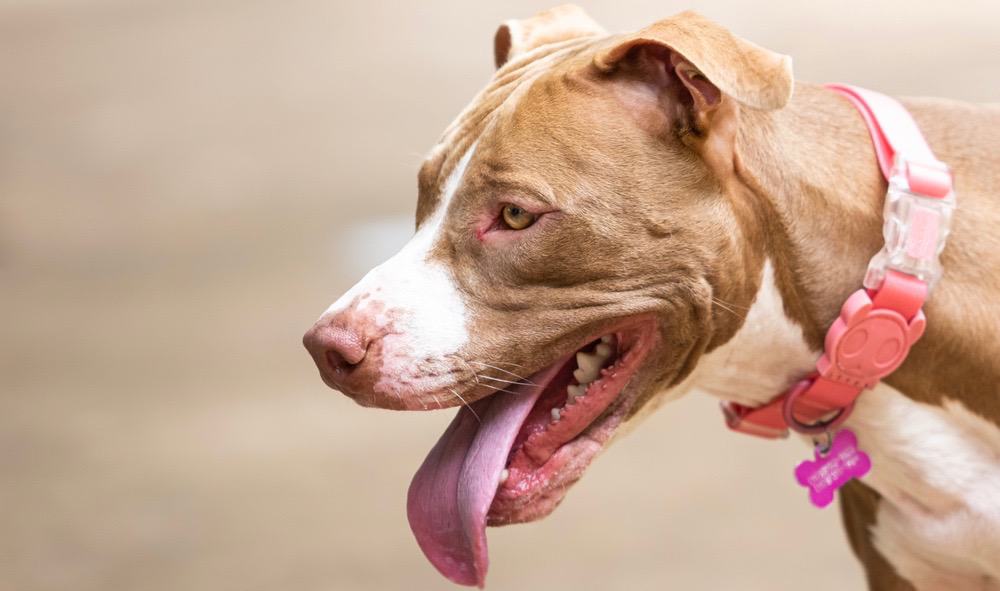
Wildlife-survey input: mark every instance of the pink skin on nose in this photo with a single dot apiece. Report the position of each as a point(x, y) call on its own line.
point(347, 347)
point(371, 353)
point(346, 344)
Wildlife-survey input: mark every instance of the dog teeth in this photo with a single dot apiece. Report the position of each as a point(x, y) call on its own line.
point(504, 475)
point(589, 365)
point(556, 414)
point(606, 339)
point(574, 391)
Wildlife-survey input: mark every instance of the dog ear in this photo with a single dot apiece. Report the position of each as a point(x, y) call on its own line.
point(708, 60)
point(515, 37)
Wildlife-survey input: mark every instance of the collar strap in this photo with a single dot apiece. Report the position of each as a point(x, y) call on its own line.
point(879, 323)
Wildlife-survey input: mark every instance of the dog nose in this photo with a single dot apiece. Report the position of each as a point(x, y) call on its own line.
point(337, 349)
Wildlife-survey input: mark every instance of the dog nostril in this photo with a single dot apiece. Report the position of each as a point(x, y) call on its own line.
point(338, 363)
point(336, 348)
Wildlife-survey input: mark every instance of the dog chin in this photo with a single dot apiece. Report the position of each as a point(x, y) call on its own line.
point(568, 465)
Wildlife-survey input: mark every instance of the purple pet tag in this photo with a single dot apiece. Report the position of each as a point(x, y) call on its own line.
point(832, 469)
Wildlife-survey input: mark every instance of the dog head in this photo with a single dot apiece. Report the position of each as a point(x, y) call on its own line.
point(577, 248)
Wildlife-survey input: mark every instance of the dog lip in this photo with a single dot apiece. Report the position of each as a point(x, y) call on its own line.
point(453, 496)
point(533, 489)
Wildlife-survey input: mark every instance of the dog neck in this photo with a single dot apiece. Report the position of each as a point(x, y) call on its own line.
point(810, 172)
point(796, 174)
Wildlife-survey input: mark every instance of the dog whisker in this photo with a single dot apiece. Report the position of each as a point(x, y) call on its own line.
point(730, 304)
point(475, 375)
point(519, 382)
point(492, 387)
point(727, 307)
point(505, 363)
point(469, 406)
point(508, 363)
point(496, 389)
point(510, 373)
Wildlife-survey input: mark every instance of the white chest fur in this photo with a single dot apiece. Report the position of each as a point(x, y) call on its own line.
point(938, 471)
point(937, 468)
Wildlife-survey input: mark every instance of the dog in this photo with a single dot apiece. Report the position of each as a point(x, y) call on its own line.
point(617, 220)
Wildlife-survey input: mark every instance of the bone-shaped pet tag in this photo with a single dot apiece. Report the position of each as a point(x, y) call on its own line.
point(830, 470)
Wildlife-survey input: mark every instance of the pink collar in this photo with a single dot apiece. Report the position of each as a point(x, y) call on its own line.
point(880, 322)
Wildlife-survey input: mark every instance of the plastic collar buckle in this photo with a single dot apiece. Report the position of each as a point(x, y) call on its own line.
point(917, 218)
point(878, 324)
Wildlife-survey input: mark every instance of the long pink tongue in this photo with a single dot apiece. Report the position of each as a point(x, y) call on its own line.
point(452, 491)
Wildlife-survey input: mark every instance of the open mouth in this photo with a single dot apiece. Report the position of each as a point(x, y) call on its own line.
point(511, 457)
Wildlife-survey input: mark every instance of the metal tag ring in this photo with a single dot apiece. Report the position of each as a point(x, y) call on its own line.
point(788, 408)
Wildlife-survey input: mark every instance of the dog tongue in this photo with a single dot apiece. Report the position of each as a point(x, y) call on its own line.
point(452, 491)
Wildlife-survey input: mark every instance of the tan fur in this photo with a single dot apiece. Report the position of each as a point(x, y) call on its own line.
point(519, 36)
point(664, 199)
point(826, 193)
point(858, 507)
point(810, 162)
point(750, 74)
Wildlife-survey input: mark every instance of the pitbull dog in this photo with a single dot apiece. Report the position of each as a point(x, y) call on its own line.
point(616, 220)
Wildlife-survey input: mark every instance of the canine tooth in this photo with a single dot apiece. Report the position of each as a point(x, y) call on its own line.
point(575, 391)
point(555, 414)
point(590, 365)
point(606, 339)
point(582, 376)
point(603, 350)
point(587, 361)
point(504, 475)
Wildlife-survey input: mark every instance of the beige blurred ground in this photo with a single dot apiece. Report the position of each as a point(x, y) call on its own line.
point(185, 185)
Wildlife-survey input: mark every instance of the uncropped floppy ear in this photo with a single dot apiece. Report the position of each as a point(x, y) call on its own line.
point(708, 60)
point(515, 37)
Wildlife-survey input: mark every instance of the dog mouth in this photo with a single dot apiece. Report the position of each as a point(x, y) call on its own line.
point(512, 456)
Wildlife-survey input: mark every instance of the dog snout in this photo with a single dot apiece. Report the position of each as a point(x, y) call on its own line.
point(339, 348)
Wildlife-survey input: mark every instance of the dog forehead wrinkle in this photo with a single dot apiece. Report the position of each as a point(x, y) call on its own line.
point(505, 90)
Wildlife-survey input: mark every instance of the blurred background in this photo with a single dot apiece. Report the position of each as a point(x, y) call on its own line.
point(186, 184)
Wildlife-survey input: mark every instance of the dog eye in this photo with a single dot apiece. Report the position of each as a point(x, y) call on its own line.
point(517, 218)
